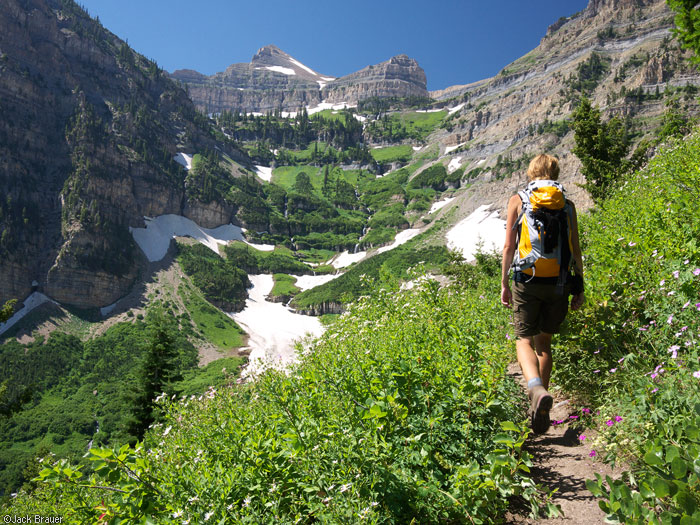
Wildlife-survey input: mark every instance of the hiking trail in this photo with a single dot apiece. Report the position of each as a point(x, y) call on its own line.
point(561, 461)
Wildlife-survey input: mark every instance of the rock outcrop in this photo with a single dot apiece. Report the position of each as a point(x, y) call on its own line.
point(88, 133)
point(273, 80)
point(400, 76)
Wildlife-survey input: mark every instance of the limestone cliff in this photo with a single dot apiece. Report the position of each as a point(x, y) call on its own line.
point(88, 133)
point(275, 80)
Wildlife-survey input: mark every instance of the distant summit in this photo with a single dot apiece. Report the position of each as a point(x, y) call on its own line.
point(275, 80)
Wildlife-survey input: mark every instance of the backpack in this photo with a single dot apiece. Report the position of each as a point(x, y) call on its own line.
point(543, 232)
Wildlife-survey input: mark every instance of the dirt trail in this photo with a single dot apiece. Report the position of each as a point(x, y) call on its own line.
point(561, 461)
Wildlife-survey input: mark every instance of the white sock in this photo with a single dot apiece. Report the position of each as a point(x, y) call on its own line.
point(535, 381)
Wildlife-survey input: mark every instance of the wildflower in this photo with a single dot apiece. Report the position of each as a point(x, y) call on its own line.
point(246, 501)
point(670, 319)
point(696, 374)
point(596, 371)
point(167, 430)
point(618, 418)
point(582, 437)
point(676, 273)
point(673, 350)
point(686, 261)
point(632, 244)
point(696, 272)
point(345, 487)
point(672, 292)
point(597, 352)
point(592, 454)
point(177, 514)
point(573, 417)
point(586, 410)
point(655, 390)
point(613, 370)
point(621, 239)
point(697, 305)
point(208, 515)
point(662, 283)
point(610, 422)
point(686, 305)
point(621, 360)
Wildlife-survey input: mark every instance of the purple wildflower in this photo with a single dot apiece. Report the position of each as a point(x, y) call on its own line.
point(613, 370)
point(573, 417)
point(596, 371)
point(696, 374)
point(592, 454)
point(676, 273)
point(610, 422)
point(696, 272)
point(582, 438)
point(618, 418)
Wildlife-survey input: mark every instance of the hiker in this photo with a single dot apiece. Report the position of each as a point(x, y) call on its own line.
point(542, 246)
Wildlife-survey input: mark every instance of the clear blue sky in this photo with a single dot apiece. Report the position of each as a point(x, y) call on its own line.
point(454, 41)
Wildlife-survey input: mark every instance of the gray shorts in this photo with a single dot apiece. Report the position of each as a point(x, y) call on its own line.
point(538, 308)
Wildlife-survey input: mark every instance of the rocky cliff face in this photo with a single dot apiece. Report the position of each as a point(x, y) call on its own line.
point(400, 76)
point(274, 80)
point(509, 117)
point(88, 133)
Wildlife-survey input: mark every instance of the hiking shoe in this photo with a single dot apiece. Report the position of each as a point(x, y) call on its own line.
point(541, 404)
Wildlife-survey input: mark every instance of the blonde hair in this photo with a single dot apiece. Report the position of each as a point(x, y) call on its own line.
point(543, 167)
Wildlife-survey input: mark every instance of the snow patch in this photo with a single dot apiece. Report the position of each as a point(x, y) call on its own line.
point(305, 282)
point(450, 149)
point(289, 114)
point(265, 173)
point(184, 159)
point(272, 328)
point(455, 109)
point(346, 258)
point(328, 105)
point(321, 84)
point(454, 165)
point(359, 117)
point(262, 247)
point(401, 238)
point(302, 66)
point(481, 162)
point(417, 148)
point(328, 79)
point(481, 227)
point(155, 238)
point(31, 302)
point(428, 110)
point(106, 310)
point(280, 69)
point(440, 205)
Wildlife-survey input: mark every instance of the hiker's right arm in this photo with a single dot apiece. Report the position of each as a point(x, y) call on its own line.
point(509, 249)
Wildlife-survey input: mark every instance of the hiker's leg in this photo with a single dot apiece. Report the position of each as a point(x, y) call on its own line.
point(543, 349)
point(529, 364)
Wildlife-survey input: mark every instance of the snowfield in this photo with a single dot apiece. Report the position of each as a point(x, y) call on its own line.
point(155, 238)
point(481, 227)
point(401, 238)
point(449, 149)
point(184, 159)
point(454, 165)
point(30, 303)
point(264, 173)
point(272, 328)
point(306, 282)
point(455, 109)
point(346, 258)
point(440, 205)
point(280, 69)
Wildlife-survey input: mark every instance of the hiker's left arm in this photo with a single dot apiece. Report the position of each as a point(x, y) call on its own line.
point(576, 300)
point(575, 244)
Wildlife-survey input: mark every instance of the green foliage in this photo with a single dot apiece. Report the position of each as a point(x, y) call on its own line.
point(601, 148)
point(7, 310)
point(583, 82)
point(396, 127)
point(284, 286)
point(61, 393)
point(633, 349)
point(216, 374)
point(401, 153)
point(421, 428)
point(436, 177)
point(350, 285)
point(255, 261)
point(221, 281)
point(687, 23)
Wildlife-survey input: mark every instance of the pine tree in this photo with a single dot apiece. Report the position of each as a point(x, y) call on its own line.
point(158, 372)
point(601, 148)
point(687, 23)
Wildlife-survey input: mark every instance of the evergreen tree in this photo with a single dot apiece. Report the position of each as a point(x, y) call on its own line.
point(7, 310)
point(687, 23)
point(601, 148)
point(158, 372)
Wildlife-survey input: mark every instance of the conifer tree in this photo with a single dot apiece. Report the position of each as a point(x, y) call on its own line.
point(687, 23)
